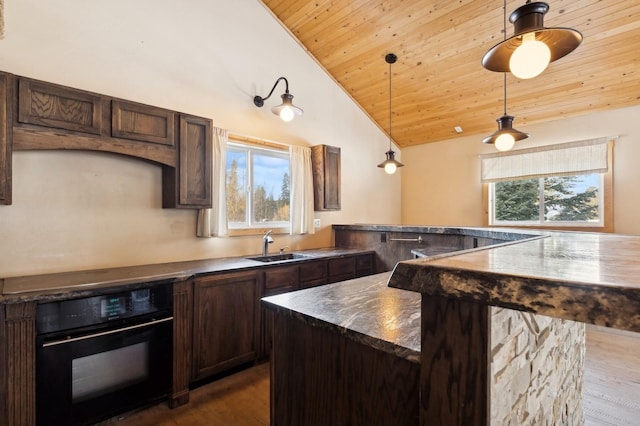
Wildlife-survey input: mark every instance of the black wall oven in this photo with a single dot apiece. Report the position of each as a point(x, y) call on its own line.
point(103, 355)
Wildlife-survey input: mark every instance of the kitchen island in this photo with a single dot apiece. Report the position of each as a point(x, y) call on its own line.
point(537, 291)
point(588, 278)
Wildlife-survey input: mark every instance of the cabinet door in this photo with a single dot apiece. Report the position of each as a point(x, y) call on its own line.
point(51, 105)
point(140, 122)
point(326, 177)
point(365, 264)
point(342, 268)
point(225, 322)
point(5, 139)
point(313, 274)
point(189, 184)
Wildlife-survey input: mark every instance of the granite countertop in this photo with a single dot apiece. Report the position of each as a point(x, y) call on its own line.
point(505, 234)
point(364, 309)
point(586, 277)
point(33, 287)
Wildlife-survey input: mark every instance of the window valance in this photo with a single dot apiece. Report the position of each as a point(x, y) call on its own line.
point(580, 157)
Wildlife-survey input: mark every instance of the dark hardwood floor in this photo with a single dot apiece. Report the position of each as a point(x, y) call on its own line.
point(612, 391)
point(240, 399)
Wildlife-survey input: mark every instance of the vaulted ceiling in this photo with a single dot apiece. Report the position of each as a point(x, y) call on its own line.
point(438, 82)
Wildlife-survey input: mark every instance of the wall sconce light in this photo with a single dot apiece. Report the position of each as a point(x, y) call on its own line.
point(506, 136)
point(287, 111)
point(390, 165)
point(532, 47)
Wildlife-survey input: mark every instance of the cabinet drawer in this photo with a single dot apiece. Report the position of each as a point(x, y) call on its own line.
point(344, 266)
point(130, 120)
point(277, 278)
point(313, 271)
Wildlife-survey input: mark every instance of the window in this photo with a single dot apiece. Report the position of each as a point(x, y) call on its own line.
point(574, 200)
point(257, 187)
point(565, 186)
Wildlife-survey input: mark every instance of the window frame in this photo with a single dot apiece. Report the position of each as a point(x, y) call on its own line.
point(607, 207)
point(257, 145)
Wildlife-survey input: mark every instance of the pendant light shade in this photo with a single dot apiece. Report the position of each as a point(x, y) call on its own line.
point(532, 47)
point(287, 111)
point(506, 136)
point(390, 165)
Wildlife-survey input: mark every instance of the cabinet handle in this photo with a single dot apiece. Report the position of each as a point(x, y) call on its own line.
point(408, 240)
point(105, 333)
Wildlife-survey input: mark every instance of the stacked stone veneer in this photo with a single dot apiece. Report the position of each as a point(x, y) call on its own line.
point(536, 369)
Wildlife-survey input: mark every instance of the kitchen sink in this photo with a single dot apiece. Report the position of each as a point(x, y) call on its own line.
point(279, 257)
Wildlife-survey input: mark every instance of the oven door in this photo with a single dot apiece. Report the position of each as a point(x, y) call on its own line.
point(89, 377)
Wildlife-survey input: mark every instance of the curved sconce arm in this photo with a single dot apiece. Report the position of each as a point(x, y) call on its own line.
point(286, 110)
point(259, 100)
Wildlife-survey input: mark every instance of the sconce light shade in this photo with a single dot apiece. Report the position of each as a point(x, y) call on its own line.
point(532, 47)
point(390, 165)
point(287, 111)
point(506, 136)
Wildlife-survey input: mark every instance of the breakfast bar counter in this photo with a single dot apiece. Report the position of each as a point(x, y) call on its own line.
point(587, 277)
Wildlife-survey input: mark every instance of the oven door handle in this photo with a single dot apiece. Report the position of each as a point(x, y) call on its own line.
point(105, 333)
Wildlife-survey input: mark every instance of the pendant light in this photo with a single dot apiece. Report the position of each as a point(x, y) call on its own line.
point(532, 47)
point(287, 110)
point(506, 136)
point(390, 165)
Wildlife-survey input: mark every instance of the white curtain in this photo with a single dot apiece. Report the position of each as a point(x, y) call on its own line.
point(301, 209)
point(213, 222)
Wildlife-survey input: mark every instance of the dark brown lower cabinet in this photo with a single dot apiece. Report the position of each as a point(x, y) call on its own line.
point(225, 322)
point(341, 269)
point(313, 274)
point(276, 281)
point(365, 265)
point(321, 377)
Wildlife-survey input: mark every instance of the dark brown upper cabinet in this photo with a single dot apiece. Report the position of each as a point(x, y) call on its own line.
point(189, 184)
point(326, 177)
point(40, 115)
point(51, 105)
point(140, 122)
point(5, 139)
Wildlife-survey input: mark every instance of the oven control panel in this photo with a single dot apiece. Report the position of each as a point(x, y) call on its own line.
point(104, 308)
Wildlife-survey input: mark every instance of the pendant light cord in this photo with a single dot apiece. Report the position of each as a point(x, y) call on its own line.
point(504, 33)
point(390, 105)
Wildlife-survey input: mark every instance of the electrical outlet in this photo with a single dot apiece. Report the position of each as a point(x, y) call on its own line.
point(316, 223)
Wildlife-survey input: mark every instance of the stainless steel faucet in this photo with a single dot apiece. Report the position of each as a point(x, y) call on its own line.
point(266, 240)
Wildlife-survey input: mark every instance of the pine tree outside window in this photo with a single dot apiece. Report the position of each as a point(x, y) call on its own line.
point(566, 186)
point(258, 187)
point(562, 200)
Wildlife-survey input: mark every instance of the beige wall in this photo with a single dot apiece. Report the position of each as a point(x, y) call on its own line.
point(83, 210)
point(441, 181)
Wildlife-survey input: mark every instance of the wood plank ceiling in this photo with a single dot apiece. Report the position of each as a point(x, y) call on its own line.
point(439, 83)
